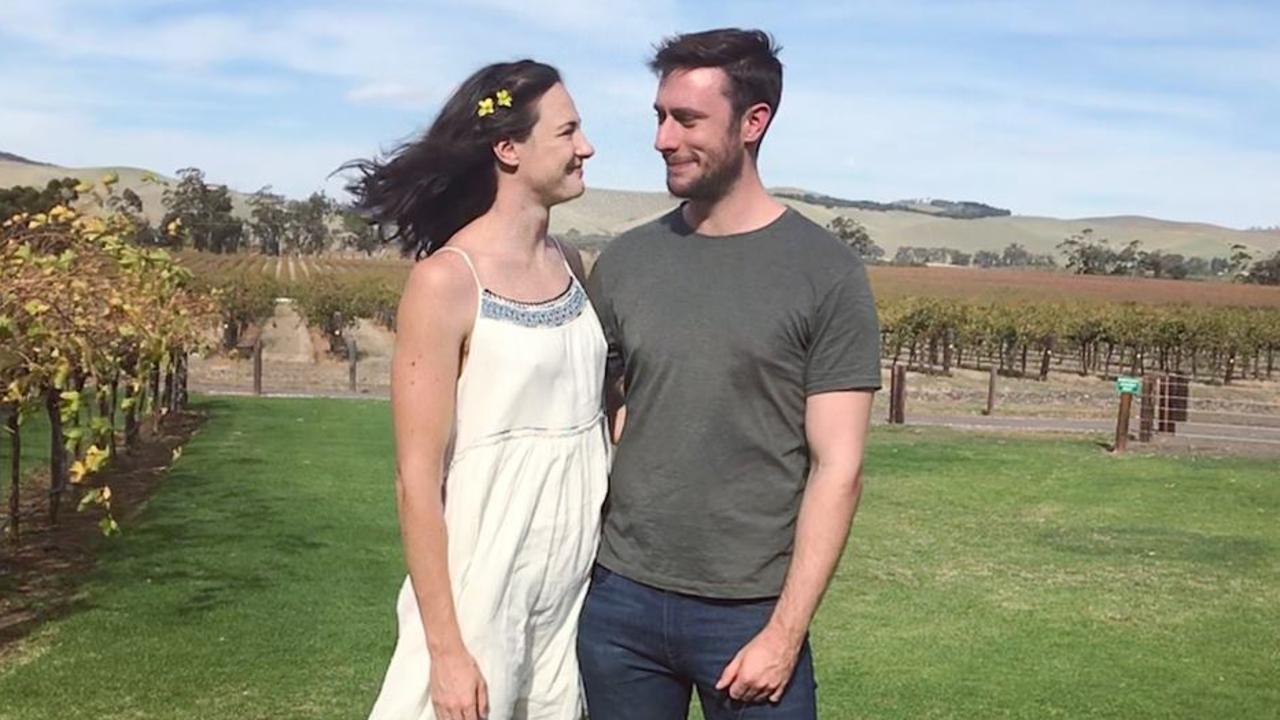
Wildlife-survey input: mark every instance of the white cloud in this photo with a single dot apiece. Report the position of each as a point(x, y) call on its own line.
point(391, 93)
point(1093, 20)
point(612, 23)
point(969, 99)
point(1014, 154)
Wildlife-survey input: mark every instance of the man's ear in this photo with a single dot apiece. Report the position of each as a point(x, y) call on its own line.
point(755, 121)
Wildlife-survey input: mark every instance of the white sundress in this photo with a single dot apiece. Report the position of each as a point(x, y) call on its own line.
point(523, 496)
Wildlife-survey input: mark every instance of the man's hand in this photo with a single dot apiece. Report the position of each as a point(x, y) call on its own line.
point(458, 690)
point(762, 669)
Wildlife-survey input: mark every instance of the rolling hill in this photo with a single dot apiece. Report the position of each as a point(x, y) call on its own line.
point(606, 212)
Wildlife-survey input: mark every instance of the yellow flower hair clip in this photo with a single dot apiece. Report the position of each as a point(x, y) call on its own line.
point(486, 106)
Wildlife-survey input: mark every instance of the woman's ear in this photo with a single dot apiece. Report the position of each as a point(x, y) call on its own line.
point(506, 152)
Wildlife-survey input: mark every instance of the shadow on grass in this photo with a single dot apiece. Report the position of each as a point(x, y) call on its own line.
point(42, 575)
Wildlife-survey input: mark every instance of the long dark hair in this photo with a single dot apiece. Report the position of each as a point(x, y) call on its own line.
point(429, 188)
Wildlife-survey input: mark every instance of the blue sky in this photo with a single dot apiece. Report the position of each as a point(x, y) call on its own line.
point(1070, 109)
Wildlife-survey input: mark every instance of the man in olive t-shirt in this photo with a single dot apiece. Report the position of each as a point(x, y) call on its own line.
point(722, 340)
point(744, 341)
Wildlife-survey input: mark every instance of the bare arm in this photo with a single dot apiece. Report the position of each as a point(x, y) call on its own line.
point(434, 320)
point(836, 430)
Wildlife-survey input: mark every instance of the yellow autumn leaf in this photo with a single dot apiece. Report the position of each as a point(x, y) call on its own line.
point(61, 374)
point(95, 457)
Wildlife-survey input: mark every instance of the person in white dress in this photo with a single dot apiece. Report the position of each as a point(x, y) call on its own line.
point(496, 389)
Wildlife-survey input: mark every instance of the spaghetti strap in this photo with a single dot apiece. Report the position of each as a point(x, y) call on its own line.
point(564, 258)
point(471, 266)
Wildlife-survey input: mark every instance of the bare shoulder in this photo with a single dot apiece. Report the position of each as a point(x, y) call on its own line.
point(440, 291)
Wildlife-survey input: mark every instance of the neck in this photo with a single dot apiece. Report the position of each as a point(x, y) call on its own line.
point(516, 225)
point(747, 206)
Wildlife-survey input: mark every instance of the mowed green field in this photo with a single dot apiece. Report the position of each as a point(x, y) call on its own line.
point(986, 577)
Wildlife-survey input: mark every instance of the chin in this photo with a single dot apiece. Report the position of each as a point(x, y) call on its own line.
point(679, 189)
point(570, 191)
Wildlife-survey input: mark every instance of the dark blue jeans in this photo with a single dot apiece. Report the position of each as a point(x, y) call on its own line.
point(643, 650)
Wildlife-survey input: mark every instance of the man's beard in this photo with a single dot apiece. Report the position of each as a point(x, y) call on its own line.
point(716, 181)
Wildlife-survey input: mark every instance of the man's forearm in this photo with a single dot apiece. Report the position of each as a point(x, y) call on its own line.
point(822, 529)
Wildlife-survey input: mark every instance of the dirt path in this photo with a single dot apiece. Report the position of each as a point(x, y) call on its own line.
point(285, 337)
point(373, 340)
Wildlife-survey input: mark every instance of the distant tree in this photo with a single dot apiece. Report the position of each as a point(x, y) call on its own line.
point(986, 259)
point(1044, 260)
point(1241, 258)
point(1175, 266)
point(1015, 255)
point(1197, 267)
point(362, 235)
point(308, 224)
point(1159, 264)
point(906, 255)
point(203, 214)
point(1125, 261)
point(1220, 266)
point(1087, 255)
point(129, 204)
point(268, 221)
point(1265, 271)
point(961, 258)
point(24, 199)
point(127, 200)
point(856, 236)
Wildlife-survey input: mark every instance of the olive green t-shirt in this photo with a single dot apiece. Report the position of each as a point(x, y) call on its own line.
point(720, 340)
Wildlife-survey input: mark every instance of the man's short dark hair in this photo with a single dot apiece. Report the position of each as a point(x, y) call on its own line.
point(748, 57)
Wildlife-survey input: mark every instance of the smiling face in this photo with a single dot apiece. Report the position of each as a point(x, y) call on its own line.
point(699, 134)
point(550, 160)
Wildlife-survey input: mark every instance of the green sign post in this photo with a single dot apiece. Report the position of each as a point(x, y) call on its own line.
point(1128, 385)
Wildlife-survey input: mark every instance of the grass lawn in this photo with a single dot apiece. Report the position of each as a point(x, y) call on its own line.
point(987, 577)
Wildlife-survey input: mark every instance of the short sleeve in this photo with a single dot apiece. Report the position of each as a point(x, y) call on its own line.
point(844, 347)
point(599, 289)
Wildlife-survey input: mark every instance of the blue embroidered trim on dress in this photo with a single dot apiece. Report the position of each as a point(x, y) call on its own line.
point(552, 313)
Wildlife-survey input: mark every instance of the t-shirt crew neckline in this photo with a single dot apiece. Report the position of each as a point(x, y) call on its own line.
point(682, 226)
